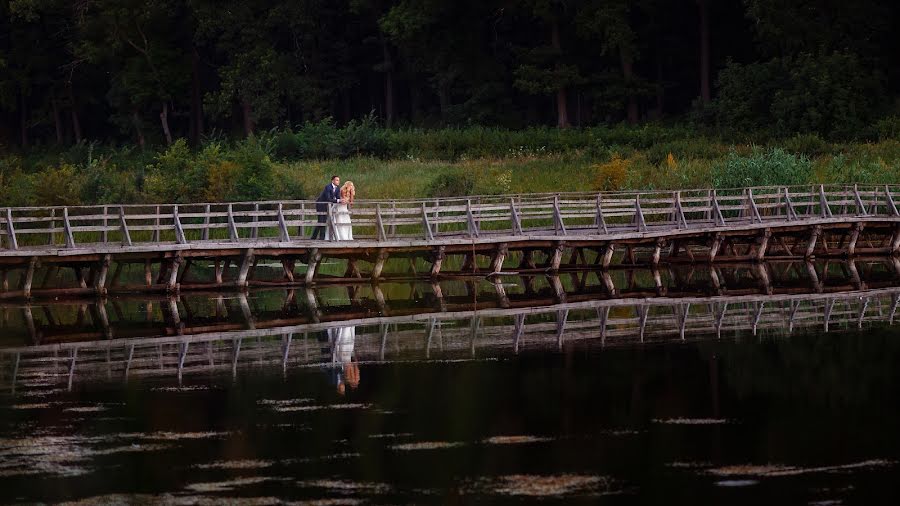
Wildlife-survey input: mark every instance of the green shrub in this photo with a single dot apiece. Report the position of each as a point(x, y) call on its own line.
point(255, 177)
point(763, 167)
point(452, 184)
point(888, 128)
point(810, 145)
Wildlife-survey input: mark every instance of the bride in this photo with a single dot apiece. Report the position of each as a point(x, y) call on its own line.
point(343, 229)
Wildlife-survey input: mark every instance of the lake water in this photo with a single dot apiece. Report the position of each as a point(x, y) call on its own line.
point(747, 389)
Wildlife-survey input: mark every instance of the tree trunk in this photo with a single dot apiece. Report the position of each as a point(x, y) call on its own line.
point(23, 119)
point(164, 119)
point(628, 73)
point(57, 121)
point(704, 51)
point(562, 109)
point(247, 113)
point(196, 128)
point(388, 84)
point(136, 121)
point(76, 123)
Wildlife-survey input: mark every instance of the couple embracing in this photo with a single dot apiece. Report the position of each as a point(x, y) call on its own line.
point(340, 198)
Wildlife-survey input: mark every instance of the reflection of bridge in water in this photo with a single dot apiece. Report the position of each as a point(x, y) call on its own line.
point(173, 337)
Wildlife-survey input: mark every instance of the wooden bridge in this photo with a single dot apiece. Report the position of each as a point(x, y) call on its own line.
point(451, 334)
point(213, 246)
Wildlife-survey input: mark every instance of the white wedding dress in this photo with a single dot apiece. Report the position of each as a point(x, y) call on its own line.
point(342, 225)
point(342, 341)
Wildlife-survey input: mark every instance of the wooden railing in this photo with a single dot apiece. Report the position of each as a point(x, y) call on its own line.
point(563, 214)
point(457, 334)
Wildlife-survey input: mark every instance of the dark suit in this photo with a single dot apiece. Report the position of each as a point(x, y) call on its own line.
point(330, 195)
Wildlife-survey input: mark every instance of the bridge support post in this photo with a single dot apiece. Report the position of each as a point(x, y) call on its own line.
point(556, 256)
point(100, 278)
point(763, 245)
point(28, 278)
point(246, 263)
point(811, 242)
point(854, 237)
point(607, 255)
point(895, 241)
point(657, 251)
point(438, 255)
point(172, 282)
point(527, 260)
point(714, 246)
point(498, 257)
point(380, 260)
point(312, 265)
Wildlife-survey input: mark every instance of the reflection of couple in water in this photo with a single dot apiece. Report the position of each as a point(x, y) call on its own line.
point(346, 371)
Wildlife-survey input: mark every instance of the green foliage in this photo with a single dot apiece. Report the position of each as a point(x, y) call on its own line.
point(833, 95)
point(763, 167)
point(458, 183)
point(888, 128)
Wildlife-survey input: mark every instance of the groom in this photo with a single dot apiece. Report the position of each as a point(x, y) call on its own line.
point(330, 195)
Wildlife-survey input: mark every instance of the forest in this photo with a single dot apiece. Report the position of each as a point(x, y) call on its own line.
point(259, 99)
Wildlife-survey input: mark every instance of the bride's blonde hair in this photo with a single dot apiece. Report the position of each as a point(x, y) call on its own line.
point(348, 192)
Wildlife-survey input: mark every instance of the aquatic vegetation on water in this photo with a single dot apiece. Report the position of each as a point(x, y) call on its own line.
point(547, 486)
point(426, 445)
point(775, 470)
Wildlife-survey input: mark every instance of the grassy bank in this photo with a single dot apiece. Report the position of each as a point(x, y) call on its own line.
point(402, 164)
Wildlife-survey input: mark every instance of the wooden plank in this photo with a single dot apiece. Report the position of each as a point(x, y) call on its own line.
point(254, 230)
point(246, 262)
point(789, 206)
point(717, 212)
point(825, 209)
point(680, 220)
point(892, 207)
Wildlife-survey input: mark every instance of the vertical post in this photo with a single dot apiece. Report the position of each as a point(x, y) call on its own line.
point(714, 246)
point(860, 207)
point(823, 203)
point(379, 263)
point(52, 226)
point(438, 255)
point(717, 211)
point(329, 222)
point(680, 220)
point(854, 237)
point(104, 236)
point(811, 242)
point(283, 233)
point(763, 245)
point(557, 216)
point(204, 235)
point(232, 227)
point(601, 221)
point(379, 223)
point(470, 219)
point(246, 262)
point(499, 257)
point(426, 225)
point(179, 231)
point(789, 206)
point(754, 211)
point(67, 227)
point(556, 256)
point(608, 254)
point(514, 218)
point(639, 213)
point(11, 230)
point(254, 232)
point(156, 226)
point(100, 278)
point(28, 278)
point(123, 226)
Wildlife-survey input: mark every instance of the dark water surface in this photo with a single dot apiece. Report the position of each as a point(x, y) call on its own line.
point(714, 399)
